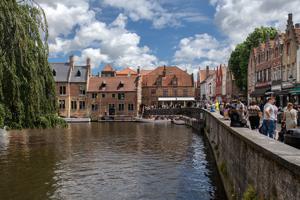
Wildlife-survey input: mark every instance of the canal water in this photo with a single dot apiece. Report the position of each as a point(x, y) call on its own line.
point(106, 161)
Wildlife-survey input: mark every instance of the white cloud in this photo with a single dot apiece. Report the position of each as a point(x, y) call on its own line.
point(153, 11)
point(238, 18)
point(201, 50)
point(74, 27)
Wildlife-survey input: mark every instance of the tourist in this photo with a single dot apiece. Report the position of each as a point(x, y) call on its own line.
point(226, 112)
point(276, 119)
point(269, 118)
point(254, 115)
point(241, 109)
point(290, 117)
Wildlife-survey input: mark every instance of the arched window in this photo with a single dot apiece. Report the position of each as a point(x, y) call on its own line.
point(53, 72)
point(78, 73)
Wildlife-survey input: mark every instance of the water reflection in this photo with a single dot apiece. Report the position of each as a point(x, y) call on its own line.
point(107, 161)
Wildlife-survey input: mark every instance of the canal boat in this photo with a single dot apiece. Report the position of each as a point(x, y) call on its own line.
point(151, 120)
point(178, 122)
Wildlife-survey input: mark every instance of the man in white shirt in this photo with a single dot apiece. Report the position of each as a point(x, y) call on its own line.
point(269, 118)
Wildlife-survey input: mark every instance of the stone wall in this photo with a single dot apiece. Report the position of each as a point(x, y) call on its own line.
point(249, 161)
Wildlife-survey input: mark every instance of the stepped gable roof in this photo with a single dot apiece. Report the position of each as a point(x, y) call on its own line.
point(62, 71)
point(126, 72)
point(145, 71)
point(167, 74)
point(78, 74)
point(108, 68)
point(112, 84)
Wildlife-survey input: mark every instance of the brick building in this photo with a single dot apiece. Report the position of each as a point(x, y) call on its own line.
point(220, 92)
point(115, 97)
point(167, 86)
point(291, 63)
point(264, 69)
point(71, 84)
point(232, 91)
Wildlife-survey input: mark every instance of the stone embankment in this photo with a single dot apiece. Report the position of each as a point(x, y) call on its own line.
point(250, 164)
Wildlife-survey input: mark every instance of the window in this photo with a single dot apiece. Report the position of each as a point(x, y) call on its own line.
point(78, 74)
point(81, 105)
point(121, 107)
point(185, 92)
point(130, 107)
point(121, 96)
point(94, 107)
point(111, 106)
point(53, 72)
point(103, 95)
point(82, 90)
point(94, 95)
point(62, 104)
point(73, 105)
point(165, 92)
point(113, 95)
point(62, 90)
point(153, 92)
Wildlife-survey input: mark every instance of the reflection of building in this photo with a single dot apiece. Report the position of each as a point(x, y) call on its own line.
point(71, 83)
point(168, 86)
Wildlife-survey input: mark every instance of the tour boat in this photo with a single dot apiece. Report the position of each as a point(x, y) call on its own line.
point(178, 122)
point(151, 120)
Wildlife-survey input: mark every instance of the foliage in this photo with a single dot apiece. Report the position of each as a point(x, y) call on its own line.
point(250, 194)
point(238, 61)
point(27, 90)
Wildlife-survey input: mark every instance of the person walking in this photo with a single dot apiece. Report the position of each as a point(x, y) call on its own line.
point(290, 117)
point(254, 115)
point(269, 118)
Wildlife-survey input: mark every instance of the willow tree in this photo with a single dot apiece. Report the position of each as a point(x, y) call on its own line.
point(27, 90)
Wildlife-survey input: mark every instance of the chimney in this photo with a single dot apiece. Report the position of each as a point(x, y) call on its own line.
point(71, 61)
point(164, 71)
point(207, 72)
point(138, 70)
point(88, 64)
point(297, 25)
point(290, 19)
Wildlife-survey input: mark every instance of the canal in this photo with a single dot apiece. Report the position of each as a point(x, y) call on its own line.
point(108, 161)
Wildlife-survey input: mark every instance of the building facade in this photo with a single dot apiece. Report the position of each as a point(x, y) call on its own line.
point(220, 93)
point(71, 85)
point(167, 85)
point(291, 63)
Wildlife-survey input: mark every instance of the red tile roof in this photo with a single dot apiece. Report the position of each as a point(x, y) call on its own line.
point(183, 78)
point(108, 68)
point(125, 72)
point(112, 84)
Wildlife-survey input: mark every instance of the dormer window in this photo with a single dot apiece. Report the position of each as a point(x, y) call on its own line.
point(103, 85)
point(53, 72)
point(78, 74)
point(121, 84)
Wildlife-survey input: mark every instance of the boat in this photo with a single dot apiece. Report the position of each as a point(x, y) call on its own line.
point(178, 122)
point(151, 120)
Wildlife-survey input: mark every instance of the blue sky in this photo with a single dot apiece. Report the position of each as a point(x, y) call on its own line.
point(148, 33)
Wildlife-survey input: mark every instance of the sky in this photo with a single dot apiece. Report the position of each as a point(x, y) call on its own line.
point(148, 33)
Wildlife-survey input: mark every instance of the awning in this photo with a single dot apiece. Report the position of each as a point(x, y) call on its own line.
point(176, 98)
point(295, 91)
point(260, 92)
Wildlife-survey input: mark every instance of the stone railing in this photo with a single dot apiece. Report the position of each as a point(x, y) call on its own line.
point(249, 163)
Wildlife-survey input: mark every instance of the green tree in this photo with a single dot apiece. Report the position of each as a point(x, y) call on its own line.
point(239, 58)
point(27, 89)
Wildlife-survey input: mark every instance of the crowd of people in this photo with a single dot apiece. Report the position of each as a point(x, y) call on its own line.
point(262, 118)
